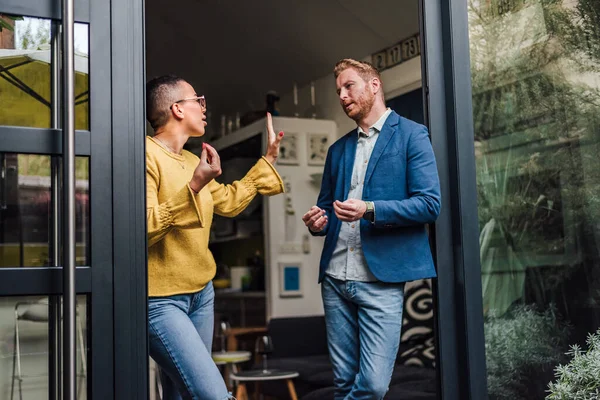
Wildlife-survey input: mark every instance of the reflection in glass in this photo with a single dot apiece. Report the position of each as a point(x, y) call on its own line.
point(25, 73)
point(25, 347)
point(536, 113)
point(82, 81)
point(25, 210)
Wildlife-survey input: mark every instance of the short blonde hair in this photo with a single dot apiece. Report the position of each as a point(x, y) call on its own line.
point(365, 69)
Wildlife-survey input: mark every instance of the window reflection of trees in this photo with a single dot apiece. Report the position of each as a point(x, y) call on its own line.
point(535, 67)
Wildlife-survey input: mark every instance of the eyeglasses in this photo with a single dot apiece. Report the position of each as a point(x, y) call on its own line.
point(200, 99)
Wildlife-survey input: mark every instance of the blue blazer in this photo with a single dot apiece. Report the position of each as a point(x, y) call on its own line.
point(402, 180)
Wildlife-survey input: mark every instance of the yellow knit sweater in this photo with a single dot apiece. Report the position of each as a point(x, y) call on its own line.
point(179, 220)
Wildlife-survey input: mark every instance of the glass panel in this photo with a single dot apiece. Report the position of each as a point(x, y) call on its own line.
point(536, 112)
point(82, 211)
point(25, 210)
point(25, 71)
point(25, 74)
point(82, 81)
point(25, 348)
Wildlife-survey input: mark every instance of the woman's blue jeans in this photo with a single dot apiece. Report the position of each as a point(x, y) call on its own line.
point(180, 335)
point(364, 320)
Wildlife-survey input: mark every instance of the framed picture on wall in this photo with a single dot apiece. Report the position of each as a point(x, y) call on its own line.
point(288, 150)
point(318, 143)
point(290, 284)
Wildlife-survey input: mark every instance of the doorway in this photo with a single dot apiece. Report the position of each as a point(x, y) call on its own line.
point(251, 57)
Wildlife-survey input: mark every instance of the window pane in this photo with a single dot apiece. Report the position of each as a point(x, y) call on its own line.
point(25, 210)
point(536, 112)
point(25, 71)
point(24, 339)
point(82, 81)
point(82, 211)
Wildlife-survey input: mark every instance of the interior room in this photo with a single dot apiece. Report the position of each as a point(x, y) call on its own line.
point(250, 57)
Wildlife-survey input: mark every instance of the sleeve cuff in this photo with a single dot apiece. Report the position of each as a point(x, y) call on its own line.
point(264, 178)
point(185, 209)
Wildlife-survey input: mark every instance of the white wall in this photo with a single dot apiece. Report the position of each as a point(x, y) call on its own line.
point(303, 195)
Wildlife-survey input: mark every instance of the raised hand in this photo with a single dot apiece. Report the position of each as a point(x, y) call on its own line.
point(349, 210)
point(315, 219)
point(273, 141)
point(208, 168)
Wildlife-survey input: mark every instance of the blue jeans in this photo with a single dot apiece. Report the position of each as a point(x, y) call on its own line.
point(180, 330)
point(364, 320)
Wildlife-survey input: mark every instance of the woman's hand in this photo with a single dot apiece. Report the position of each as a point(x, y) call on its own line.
point(209, 168)
point(273, 141)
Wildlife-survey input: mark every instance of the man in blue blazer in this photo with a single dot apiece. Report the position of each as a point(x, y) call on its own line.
point(380, 188)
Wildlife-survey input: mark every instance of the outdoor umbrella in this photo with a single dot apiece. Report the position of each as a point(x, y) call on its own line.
point(25, 88)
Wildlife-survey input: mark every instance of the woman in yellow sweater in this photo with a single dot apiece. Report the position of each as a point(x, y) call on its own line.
point(182, 196)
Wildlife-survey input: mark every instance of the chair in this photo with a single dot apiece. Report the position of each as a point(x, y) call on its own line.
point(38, 311)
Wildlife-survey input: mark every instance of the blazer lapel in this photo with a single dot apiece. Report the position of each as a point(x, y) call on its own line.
point(387, 132)
point(349, 156)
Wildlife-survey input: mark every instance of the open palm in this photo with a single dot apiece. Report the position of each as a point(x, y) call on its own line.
point(273, 141)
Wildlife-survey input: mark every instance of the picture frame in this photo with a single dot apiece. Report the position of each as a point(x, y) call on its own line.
point(290, 279)
point(289, 148)
point(317, 146)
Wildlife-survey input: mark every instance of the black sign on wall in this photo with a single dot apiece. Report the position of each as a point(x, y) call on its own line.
point(397, 54)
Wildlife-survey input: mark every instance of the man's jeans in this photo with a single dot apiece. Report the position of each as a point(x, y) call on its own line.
point(180, 334)
point(364, 320)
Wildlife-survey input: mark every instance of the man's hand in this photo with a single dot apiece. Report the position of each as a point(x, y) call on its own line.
point(273, 141)
point(349, 210)
point(208, 168)
point(315, 219)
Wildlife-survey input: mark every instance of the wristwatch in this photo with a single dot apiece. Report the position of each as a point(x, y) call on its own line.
point(369, 214)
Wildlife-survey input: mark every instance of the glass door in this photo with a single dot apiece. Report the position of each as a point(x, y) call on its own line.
point(57, 328)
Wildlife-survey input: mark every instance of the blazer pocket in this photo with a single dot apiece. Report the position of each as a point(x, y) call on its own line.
point(395, 154)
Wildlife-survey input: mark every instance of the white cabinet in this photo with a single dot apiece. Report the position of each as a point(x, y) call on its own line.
point(273, 225)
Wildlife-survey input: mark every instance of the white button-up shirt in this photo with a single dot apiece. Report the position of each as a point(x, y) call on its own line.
point(348, 262)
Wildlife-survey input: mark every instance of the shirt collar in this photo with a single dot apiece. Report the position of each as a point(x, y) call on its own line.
point(377, 126)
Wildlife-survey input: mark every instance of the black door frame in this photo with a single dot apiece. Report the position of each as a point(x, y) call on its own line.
point(458, 304)
point(128, 69)
point(115, 280)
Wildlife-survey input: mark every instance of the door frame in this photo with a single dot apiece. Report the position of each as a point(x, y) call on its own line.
point(128, 71)
point(448, 104)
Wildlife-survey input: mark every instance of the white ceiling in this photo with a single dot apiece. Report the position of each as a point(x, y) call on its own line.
point(234, 51)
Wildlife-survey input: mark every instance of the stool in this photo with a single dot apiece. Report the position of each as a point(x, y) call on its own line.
point(230, 359)
point(259, 375)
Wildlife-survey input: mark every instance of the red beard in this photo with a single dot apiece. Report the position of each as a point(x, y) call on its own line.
point(360, 107)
